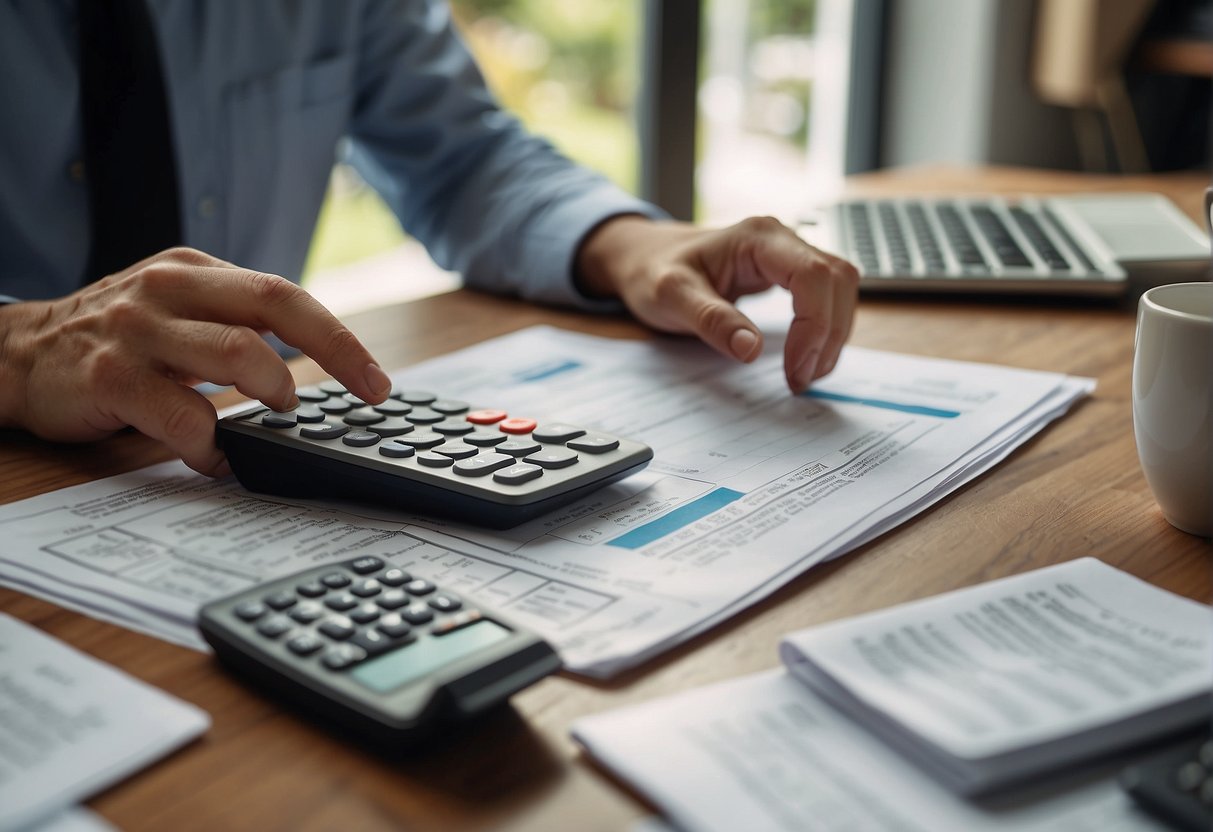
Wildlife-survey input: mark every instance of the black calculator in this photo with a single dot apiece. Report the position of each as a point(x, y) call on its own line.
point(1176, 785)
point(374, 650)
point(423, 453)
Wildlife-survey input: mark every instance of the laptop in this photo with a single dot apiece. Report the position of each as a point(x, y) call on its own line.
point(1088, 244)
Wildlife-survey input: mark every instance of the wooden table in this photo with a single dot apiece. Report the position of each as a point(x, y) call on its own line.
point(1074, 490)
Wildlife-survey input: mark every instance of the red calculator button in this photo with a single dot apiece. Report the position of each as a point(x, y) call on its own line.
point(486, 417)
point(517, 425)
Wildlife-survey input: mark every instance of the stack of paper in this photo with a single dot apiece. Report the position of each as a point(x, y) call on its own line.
point(886, 716)
point(750, 487)
point(1017, 677)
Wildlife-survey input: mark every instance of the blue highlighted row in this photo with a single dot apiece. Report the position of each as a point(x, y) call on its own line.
point(542, 371)
point(916, 409)
point(676, 519)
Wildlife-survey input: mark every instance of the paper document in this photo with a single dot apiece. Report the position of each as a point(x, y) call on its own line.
point(1009, 678)
point(750, 486)
point(70, 726)
point(765, 754)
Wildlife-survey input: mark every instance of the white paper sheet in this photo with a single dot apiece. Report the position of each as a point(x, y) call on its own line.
point(750, 486)
point(70, 725)
point(764, 754)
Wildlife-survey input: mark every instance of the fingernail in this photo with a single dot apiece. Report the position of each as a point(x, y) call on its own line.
point(377, 380)
point(803, 377)
point(743, 343)
point(291, 403)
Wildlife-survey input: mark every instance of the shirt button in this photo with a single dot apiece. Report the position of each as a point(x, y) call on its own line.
point(76, 171)
point(207, 207)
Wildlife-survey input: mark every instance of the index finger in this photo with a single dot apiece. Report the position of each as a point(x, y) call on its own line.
point(269, 302)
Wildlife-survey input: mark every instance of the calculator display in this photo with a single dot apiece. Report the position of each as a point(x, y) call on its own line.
point(405, 665)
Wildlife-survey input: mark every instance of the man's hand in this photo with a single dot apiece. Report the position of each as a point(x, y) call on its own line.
point(679, 278)
point(126, 350)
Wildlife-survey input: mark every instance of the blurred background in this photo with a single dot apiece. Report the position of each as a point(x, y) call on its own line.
point(720, 109)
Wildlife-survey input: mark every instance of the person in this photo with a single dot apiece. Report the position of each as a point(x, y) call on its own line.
point(254, 98)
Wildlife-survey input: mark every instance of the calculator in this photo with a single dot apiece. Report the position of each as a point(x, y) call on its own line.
point(423, 453)
point(1176, 785)
point(374, 650)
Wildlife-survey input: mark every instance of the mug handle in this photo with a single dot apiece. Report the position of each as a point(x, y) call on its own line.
point(1209, 210)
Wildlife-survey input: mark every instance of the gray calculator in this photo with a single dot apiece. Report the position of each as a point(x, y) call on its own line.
point(374, 650)
point(423, 453)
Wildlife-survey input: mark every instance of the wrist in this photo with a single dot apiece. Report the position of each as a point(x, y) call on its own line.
point(606, 253)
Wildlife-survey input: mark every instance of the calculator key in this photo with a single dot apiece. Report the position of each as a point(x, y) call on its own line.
point(484, 438)
point(417, 397)
point(280, 600)
point(373, 641)
point(392, 426)
point(278, 421)
point(309, 413)
point(517, 425)
point(324, 431)
point(391, 407)
point(419, 586)
point(333, 387)
point(366, 588)
point(433, 459)
point(393, 599)
point(311, 393)
point(311, 589)
point(341, 656)
point(394, 577)
point(453, 427)
point(364, 613)
point(336, 406)
point(450, 407)
point(417, 614)
point(393, 625)
point(366, 565)
point(335, 580)
point(455, 622)
point(518, 474)
point(485, 463)
point(275, 626)
point(486, 417)
point(422, 440)
point(250, 610)
point(361, 439)
point(341, 602)
point(397, 451)
point(558, 432)
point(553, 458)
point(354, 400)
point(594, 443)
point(304, 644)
point(457, 450)
point(518, 447)
point(363, 416)
point(445, 603)
point(338, 628)
point(308, 611)
point(424, 416)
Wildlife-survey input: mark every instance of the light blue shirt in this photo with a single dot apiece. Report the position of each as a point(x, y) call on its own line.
point(260, 93)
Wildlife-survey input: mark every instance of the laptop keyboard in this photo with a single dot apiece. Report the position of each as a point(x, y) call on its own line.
point(939, 238)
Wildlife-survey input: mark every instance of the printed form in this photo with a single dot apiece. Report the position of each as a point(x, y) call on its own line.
point(749, 487)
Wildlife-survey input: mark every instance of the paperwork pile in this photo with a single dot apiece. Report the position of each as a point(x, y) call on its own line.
point(981, 688)
point(750, 487)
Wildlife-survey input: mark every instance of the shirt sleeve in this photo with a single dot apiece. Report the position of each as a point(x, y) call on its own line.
point(484, 196)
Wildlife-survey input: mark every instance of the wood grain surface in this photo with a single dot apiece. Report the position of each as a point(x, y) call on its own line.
point(1073, 490)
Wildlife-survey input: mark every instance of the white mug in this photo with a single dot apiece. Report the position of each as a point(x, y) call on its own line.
point(1173, 401)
